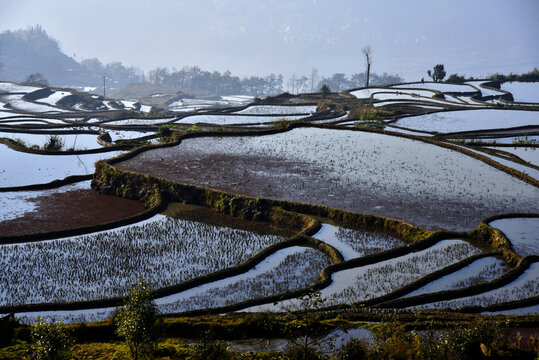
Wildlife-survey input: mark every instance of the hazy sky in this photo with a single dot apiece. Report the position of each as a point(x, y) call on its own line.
point(247, 37)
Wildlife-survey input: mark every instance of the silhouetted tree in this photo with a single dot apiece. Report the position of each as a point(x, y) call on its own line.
point(438, 73)
point(367, 51)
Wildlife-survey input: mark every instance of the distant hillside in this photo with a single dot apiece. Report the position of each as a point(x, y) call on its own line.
point(24, 52)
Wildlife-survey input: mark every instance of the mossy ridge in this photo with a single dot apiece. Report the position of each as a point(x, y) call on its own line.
point(112, 180)
point(493, 239)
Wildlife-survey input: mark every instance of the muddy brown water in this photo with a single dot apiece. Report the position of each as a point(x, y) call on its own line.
point(71, 209)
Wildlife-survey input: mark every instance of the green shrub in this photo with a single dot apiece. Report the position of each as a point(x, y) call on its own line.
point(476, 340)
point(50, 340)
point(530, 76)
point(526, 77)
point(7, 329)
point(480, 338)
point(137, 322)
point(300, 352)
point(353, 350)
point(280, 124)
point(164, 131)
point(394, 342)
point(212, 350)
point(19, 142)
point(368, 116)
point(325, 105)
point(524, 141)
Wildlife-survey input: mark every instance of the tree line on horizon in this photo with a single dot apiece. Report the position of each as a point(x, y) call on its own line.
point(33, 51)
point(227, 84)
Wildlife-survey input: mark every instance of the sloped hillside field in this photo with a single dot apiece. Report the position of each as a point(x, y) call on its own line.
point(371, 173)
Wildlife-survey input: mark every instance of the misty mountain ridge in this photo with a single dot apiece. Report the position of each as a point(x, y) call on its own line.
point(25, 52)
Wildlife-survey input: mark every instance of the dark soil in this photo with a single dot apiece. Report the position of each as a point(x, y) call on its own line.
point(71, 209)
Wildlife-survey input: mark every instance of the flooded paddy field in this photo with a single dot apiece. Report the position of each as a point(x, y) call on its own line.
point(469, 120)
point(163, 250)
point(350, 170)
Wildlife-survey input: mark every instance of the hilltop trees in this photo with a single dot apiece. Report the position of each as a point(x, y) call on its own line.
point(339, 81)
point(194, 78)
point(456, 79)
point(437, 73)
point(36, 79)
point(525, 77)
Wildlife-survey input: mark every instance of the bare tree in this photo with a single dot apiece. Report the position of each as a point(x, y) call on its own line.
point(292, 84)
point(367, 51)
point(36, 79)
point(314, 78)
point(303, 83)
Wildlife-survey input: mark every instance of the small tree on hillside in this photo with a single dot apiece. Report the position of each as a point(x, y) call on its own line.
point(137, 322)
point(325, 90)
point(438, 73)
point(303, 327)
point(54, 142)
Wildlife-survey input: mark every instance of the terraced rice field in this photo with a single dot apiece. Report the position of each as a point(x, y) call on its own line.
point(433, 185)
point(162, 250)
point(469, 120)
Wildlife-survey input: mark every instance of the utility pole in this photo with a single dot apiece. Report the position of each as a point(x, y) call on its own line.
point(104, 88)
